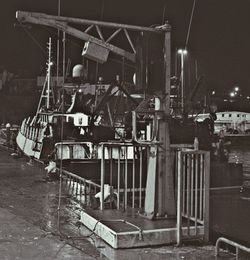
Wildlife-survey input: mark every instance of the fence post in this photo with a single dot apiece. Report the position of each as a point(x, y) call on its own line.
point(179, 198)
point(206, 195)
point(102, 176)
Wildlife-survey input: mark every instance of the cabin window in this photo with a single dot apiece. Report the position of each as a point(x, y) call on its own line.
point(230, 115)
point(238, 115)
point(222, 115)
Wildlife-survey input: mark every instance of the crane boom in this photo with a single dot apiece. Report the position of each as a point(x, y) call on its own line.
point(52, 21)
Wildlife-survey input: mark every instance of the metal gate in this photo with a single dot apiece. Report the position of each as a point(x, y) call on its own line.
point(193, 170)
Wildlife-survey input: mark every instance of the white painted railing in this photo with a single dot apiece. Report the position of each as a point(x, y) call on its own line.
point(193, 170)
point(123, 167)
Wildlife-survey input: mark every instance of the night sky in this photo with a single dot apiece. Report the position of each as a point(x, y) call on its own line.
point(219, 37)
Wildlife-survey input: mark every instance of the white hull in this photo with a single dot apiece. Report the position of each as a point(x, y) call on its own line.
point(27, 146)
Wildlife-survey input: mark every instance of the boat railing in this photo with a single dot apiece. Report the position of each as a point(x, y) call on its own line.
point(192, 170)
point(237, 246)
point(32, 132)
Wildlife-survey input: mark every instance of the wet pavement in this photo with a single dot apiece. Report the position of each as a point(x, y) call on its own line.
point(32, 227)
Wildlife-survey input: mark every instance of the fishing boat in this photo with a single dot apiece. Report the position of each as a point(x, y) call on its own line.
point(79, 120)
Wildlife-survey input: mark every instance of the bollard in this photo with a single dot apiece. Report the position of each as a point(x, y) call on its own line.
point(8, 134)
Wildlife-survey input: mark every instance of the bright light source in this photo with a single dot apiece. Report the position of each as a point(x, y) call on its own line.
point(236, 88)
point(248, 97)
point(232, 94)
point(213, 92)
point(182, 51)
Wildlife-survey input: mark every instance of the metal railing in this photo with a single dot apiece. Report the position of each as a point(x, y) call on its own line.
point(81, 189)
point(193, 169)
point(232, 243)
point(152, 126)
point(123, 167)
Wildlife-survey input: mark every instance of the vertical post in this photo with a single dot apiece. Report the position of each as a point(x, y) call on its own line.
point(134, 131)
point(188, 192)
point(206, 195)
point(80, 192)
point(182, 81)
point(90, 193)
point(119, 177)
point(133, 180)
point(126, 179)
point(201, 187)
point(192, 187)
point(179, 197)
point(102, 176)
point(196, 191)
point(85, 192)
point(64, 56)
point(49, 72)
point(165, 201)
point(140, 190)
point(110, 152)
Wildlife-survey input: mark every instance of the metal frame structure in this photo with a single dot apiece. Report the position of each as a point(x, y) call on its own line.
point(164, 195)
point(61, 23)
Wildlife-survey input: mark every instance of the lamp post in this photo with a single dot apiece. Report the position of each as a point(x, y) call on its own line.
point(182, 52)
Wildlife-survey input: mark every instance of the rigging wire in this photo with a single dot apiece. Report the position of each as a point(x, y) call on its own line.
point(190, 23)
point(102, 9)
point(188, 31)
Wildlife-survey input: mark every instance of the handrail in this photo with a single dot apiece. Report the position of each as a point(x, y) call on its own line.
point(81, 178)
point(232, 243)
point(78, 187)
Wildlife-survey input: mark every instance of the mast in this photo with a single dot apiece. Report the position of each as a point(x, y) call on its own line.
point(47, 83)
point(49, 76)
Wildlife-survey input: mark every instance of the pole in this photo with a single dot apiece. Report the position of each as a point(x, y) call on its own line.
point(182, 81)
point(58, 45)
point(166, 202)
point(64, 55)
point(49, 72)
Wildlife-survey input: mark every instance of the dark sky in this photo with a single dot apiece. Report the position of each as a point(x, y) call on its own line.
point(219, 38)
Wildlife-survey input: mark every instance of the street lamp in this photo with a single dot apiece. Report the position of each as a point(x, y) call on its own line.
point(182, 52)
point(236, 89)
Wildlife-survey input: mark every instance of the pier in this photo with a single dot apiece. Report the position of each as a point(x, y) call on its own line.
point(31, 204)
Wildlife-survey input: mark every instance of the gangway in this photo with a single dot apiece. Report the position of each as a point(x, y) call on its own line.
point(121, 222)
